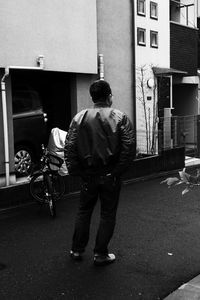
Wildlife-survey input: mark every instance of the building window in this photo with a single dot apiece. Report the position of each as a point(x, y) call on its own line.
point(181, 12)
point(141, 36)
point(154, 39)
point(141, 7)
point(153, 10)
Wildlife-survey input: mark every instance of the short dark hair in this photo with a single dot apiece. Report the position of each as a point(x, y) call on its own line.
point(100, 90)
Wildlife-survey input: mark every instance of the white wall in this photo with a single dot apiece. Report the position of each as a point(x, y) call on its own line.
point(115, 42)
point(114, 32)
point(198, 7)
point(148, 57)
point(64, 31)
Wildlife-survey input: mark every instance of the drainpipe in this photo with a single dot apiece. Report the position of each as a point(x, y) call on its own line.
point(171, 92)
point(101, 67)
point(132, 24)
point(5, 126)
point(40, 62)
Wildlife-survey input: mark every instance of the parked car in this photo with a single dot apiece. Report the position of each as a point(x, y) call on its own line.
point(30, 130)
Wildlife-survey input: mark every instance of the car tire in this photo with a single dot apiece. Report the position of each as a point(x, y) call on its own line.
point(23, 160)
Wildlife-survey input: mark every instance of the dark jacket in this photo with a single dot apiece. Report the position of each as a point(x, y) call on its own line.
point(100, 140)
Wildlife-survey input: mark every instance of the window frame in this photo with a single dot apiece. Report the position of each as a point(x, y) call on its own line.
point(140, 29)
point(152, 3)
point(152, 32)
point(139, 12)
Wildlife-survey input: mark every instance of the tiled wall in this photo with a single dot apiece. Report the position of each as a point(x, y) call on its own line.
point(183, 49)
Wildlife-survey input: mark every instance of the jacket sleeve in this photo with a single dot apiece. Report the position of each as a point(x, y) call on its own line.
point(70, 150)
point(127, 148)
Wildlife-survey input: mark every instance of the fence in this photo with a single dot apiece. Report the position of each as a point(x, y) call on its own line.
point(171, 132)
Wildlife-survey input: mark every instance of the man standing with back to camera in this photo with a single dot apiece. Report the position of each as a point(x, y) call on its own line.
point(99, 147)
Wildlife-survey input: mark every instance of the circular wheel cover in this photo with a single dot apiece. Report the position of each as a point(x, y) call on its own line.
point(23, 161)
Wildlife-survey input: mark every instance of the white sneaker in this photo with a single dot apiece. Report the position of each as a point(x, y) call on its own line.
point(102, 260)
point(75, 255)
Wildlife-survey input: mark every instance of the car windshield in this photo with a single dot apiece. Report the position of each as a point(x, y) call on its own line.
point(25, 101)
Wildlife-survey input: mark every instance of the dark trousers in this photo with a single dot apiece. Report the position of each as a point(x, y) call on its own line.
point(107, 189)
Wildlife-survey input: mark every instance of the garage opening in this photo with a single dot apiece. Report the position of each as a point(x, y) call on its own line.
point(41, 101)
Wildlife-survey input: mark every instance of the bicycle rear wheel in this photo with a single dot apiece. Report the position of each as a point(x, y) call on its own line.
point(58, 186)
point(38, 187)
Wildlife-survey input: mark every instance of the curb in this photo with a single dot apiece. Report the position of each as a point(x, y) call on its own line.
point(23, 188)
point(187, 291)
point(20, 191)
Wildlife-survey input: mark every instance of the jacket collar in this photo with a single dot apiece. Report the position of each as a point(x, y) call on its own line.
point(100, 104)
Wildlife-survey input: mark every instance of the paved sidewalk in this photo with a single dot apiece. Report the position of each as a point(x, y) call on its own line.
point(191, 289)
point(187, 291)
point(191, 161)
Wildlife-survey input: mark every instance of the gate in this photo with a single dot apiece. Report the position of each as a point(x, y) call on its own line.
point(181, 131)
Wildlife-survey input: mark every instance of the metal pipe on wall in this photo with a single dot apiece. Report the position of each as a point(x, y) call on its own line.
point(101, 67)
point(40, 62)
point(171, 92)
point(5, 127)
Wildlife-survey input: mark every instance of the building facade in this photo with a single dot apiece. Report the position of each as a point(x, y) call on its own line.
point(152, 44)
point(146, 50)
point(53, 50)
point(166, 70)
point(198, 61)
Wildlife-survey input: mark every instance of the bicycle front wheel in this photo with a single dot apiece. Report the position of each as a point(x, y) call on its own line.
point(38, 187)
point(51, 196)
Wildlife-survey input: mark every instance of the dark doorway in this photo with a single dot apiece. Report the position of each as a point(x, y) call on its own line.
point(163, 94)
point(163, 102)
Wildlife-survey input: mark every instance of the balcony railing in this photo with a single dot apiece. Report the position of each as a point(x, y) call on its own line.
point(183, 12)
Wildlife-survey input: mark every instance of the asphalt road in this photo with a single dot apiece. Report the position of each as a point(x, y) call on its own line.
point(156, 241)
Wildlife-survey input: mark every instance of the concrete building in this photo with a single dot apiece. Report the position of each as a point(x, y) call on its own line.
point(184, 57)
point(166, 72)
point(198, 61)
point(53, 50)
point(152, 44)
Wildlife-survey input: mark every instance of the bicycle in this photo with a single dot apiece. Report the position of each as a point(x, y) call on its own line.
point(46, 185)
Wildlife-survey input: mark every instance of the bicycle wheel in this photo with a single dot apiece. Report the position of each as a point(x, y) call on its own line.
point(38, 188)
point(51, 195)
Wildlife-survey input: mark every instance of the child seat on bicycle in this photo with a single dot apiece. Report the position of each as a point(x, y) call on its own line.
point(56, 148)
